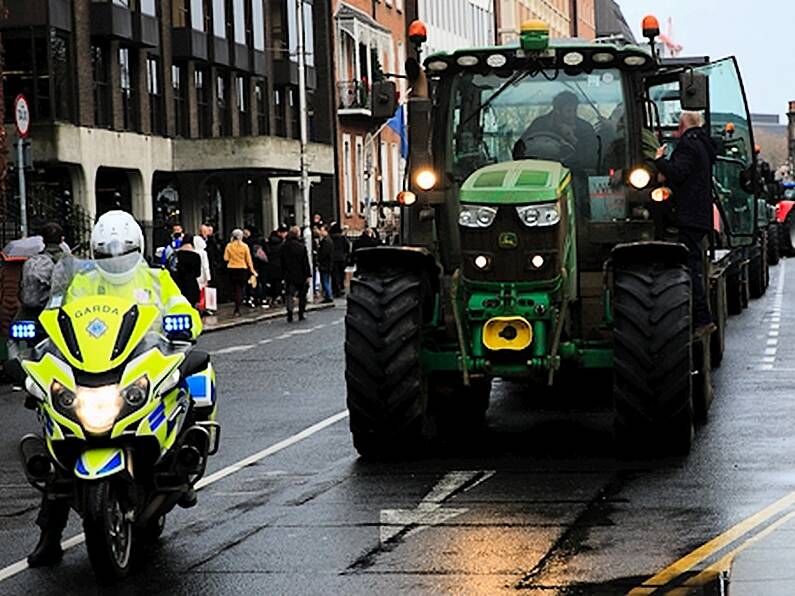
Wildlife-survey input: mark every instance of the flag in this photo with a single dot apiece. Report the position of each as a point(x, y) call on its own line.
point(398, 124)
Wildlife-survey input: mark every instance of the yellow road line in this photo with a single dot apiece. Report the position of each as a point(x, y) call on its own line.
point(704, 551)
point(725, 562)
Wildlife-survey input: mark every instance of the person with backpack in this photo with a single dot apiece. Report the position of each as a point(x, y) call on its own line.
point(39, 273)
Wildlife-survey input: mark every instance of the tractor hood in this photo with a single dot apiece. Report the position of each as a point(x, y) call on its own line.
point(515, 183)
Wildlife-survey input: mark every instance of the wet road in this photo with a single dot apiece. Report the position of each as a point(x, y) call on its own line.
point(535, 502)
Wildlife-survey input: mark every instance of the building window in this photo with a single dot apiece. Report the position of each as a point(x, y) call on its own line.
point(359, 170)
point(60, 69)
point(201, 81)
point(243, 108)
point(347, 176)
point(219, 18)
point(154, 86)
point(129, 121)
point(292, 94)
point(222, 100)
point(99, 65)
point(180, 101)
point(279, 110)
point(280, 31)
point(239, 7)
point(148, 7)
point(260, 91)
point(258, 24)
point(179, 14)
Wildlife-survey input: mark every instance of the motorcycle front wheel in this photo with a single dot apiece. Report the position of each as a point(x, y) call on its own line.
point(109, 532)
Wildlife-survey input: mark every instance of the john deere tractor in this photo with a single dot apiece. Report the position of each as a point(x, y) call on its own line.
point(536, 242)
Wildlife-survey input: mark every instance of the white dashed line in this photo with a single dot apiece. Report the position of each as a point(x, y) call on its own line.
point(773, 333)
point(233, 349)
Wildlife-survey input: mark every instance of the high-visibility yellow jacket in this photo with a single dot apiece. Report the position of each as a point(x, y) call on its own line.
point(148, 286)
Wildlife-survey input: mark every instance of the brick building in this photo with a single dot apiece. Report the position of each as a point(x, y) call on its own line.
point(176, 110)
point(369, 45)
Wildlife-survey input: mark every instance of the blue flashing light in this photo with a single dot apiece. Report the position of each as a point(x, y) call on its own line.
point(22, 330)
point(177, 323)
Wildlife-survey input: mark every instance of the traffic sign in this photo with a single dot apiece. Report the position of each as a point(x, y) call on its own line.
point(22, 116)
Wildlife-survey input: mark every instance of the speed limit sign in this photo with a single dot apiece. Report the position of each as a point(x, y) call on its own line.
point(22, 116)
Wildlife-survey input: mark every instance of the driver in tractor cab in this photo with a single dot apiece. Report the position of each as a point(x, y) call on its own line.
point(562, 122)
point(118, 269)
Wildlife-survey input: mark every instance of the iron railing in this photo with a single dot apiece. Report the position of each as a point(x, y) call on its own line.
point(354, 95)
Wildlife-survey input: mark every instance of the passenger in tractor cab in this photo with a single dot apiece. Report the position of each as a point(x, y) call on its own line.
point(689, 174)
point(578, 143)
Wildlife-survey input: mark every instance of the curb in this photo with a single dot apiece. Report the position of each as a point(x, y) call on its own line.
point(262, 317)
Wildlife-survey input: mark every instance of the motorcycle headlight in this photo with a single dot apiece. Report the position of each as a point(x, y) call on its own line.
point(62, 396)
point(98, 407)
point(476, 217)
point(539, 215)
point(136, 394)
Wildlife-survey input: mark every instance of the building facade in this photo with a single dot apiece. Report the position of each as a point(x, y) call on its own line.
point(175, 110)
point(369, 46)
point(455, 24)
point(566, 18)
point(610, 21)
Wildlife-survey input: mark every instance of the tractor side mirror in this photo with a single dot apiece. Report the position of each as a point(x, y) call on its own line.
point(383, 99)
point(693, 88)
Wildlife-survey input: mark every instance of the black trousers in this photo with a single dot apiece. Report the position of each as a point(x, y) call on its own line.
point(53, 515)
point(338, 278)
point(292, 290)
point(692, 239)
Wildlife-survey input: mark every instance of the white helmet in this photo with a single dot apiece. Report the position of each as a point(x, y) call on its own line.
point(117, 246)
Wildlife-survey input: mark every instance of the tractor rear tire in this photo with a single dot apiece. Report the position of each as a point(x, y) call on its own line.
point(756, 275)
point(773, 244)
point(653, 362)
point(387, 390)
point(787, 235)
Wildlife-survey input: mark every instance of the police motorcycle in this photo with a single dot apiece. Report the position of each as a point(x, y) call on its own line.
point(127, 407)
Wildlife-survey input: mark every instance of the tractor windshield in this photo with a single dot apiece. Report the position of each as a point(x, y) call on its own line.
point(577, 120)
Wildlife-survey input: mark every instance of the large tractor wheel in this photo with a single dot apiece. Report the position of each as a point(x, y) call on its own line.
point(787, 235)
point(756, 273)
point(720, 315)
point(387, 390)
point(652, 392)
point(773, 244)
point(109, 532)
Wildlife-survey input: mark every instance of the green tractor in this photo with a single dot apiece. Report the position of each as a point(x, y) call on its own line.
point(535, 244)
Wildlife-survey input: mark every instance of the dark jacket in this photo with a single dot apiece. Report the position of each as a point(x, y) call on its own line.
point(188, 270)
point(295, 262)
point(325, 254)
point(274, 252)
point(689, 174)
point(341, 248)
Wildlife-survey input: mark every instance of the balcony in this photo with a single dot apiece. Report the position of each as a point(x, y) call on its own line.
point(109, 19)
point(285, 72)
point(24, 13)
point(189, 44)
point(146, 30)
point(354, 99)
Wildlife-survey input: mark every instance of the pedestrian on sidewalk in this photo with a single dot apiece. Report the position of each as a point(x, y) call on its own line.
point(240, 266)
point(200, 246)
point(275, 272)
point(261, 261)
point(342, 251)
point(689, 174)
point(325, 263)
point(297, 272)
point(366, 240)
point(188, 269)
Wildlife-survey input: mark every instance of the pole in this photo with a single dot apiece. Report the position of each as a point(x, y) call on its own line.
point(302, 119)
point(23, 203)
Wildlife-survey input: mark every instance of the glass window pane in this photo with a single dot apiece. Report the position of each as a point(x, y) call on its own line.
point(309, 35)
point(197, 15)
point(148, 7)
point(258, 24)
point(292, 31)
point(219, 18)
point(240, 21)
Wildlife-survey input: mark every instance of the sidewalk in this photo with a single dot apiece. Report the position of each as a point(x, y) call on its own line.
point(766, 567)
point(224, 317)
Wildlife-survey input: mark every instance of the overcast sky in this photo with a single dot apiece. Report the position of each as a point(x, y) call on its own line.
point(760, 33)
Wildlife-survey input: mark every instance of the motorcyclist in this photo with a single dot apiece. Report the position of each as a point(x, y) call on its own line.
point(117, 269)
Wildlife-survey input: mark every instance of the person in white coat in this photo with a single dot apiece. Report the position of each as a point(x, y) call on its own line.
point(200, 246)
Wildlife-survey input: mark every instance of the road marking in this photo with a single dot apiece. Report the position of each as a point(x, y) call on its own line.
point(708, 549)
point(725, 562)
point(233, 349)
point(20, 566)
point(429, 512)
point(772, 342)
point(775, 320)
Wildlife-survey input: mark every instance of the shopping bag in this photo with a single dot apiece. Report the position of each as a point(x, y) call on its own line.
point(202, 306)
point(210, 298)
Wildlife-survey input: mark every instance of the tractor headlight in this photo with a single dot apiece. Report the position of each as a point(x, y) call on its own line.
point(98, 407)
point(482, 262)
point(426, 179)
point(136, 394)
point(539, 215)
point(639, 178)
point(476, 217)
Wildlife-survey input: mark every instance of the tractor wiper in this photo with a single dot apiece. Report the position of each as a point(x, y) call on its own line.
point(515, 78)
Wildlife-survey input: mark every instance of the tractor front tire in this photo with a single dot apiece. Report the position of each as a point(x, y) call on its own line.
point(653, 362)
point(756, 275)
point(787, 235)
point(387, 390)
